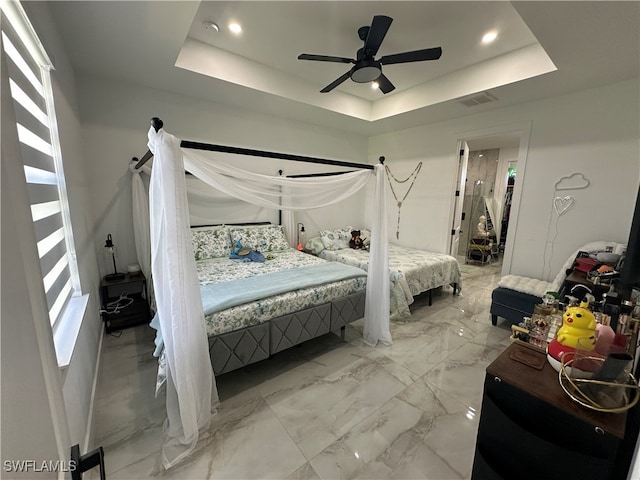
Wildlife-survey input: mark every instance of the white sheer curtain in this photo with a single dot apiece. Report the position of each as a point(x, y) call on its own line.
point(275, 191)
point(140, 201)
point(305, 194)
point(376, 311)
point(190, 380)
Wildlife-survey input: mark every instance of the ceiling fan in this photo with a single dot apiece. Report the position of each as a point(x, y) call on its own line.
point(366, 68)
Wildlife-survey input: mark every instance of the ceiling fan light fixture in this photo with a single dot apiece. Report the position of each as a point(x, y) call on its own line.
point(366, 71)
point(365, 74)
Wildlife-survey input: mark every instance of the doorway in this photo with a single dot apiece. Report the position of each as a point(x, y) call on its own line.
point(481, 208)
point(491, 165)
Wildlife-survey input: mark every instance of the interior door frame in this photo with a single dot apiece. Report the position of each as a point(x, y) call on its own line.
point(458, 203)
point(523, 131)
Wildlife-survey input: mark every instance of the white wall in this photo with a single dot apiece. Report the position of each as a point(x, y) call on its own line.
point(115, 121)
point(594, 132)
point(33, 415)
point(77, 380)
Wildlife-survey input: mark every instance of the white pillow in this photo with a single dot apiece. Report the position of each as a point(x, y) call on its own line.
point(336, 239)
point(314, 245)
point(365, 235)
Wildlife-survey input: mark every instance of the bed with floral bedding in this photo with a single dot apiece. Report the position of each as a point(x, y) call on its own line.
point(411, 271)
point(254, 309)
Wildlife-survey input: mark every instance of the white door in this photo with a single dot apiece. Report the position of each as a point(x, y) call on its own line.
point(461, 179)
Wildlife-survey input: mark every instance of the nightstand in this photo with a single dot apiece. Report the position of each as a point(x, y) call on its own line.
point(124, 302)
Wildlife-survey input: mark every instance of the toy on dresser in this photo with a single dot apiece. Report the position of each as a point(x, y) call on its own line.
point(578, 322)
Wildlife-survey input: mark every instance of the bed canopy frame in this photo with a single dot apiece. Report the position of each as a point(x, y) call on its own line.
point(165, 250)
point(157, 124)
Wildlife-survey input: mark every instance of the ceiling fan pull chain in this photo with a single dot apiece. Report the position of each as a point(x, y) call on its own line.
point(413, 175)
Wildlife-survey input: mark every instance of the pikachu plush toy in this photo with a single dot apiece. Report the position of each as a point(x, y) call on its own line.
point(577, 322)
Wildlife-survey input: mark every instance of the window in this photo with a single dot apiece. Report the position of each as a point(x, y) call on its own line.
point(28, 69)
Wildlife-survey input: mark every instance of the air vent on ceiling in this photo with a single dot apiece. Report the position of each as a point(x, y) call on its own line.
point(478, 99)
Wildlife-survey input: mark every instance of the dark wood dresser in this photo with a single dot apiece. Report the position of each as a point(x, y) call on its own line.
point(531, 429)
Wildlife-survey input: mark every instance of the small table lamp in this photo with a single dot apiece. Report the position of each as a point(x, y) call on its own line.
point(111, 249)
point(300, 236)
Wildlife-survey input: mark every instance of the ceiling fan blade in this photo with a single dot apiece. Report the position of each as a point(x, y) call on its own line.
point(415, 56)
point(336, 82)
point(324, 58)
point(384, 84)
point(379, 27)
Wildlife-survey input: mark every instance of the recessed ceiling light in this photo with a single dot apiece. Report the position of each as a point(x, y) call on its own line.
point(374, 85)
point(211, 26)
point(235, 27)
point(489, 37)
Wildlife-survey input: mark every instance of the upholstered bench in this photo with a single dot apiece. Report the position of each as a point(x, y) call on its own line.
point(516, 296)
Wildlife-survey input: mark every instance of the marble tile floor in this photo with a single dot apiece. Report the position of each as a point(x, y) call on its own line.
point(328, 409)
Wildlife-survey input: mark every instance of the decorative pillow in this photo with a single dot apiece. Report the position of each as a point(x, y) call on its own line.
point(263, 238)
point(314, 245)
point(211, 242)
point(365, 234)
point(336, 239)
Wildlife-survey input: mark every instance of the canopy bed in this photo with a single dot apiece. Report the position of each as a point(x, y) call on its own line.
point(411, 271)
point(167, 254)
point(256, 308)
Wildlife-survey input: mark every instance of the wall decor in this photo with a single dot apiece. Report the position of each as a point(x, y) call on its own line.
point(575, 181)
point(561, 204)
point(412, 176)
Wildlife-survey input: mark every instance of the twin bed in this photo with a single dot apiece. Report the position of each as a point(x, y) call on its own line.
point(254, 309)
point(411, 271)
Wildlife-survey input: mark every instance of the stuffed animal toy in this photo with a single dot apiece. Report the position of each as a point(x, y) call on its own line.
point(578, 327)
point(246, 254)
point(356, 242)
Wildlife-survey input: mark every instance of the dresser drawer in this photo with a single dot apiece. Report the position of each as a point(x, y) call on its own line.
point(532, 442)
point(548, 422)
point(484, 466)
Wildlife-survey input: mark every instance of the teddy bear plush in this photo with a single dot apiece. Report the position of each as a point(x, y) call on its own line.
point(356, 242)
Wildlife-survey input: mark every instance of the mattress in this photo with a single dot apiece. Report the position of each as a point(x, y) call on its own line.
point(411, 272)
point(218, 270)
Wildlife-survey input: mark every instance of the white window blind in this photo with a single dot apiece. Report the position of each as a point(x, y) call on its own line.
point(30, 88)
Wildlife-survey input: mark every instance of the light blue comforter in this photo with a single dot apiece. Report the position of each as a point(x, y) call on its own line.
point(219, 296)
